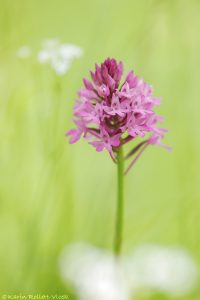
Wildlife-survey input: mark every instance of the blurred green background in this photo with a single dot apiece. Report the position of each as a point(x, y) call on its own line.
point(53, 193)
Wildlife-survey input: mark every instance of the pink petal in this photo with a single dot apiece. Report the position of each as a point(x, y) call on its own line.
point(75, 133)
point(88, 84)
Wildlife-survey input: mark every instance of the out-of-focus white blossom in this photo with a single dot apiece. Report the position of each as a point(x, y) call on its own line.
point(170, 270)
point(96, 274)
point(24, 52)
point(59, 56)
point(48, 50)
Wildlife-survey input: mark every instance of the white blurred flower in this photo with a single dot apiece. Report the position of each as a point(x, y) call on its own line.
point(58, 56)
point(94, 273)
point(165, 269)
point(48, 51)
point(24, 52)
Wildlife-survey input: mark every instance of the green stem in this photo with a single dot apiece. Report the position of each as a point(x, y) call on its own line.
point(120, 202)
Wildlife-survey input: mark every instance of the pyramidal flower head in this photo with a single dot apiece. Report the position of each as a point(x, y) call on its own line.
point(110, 112)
